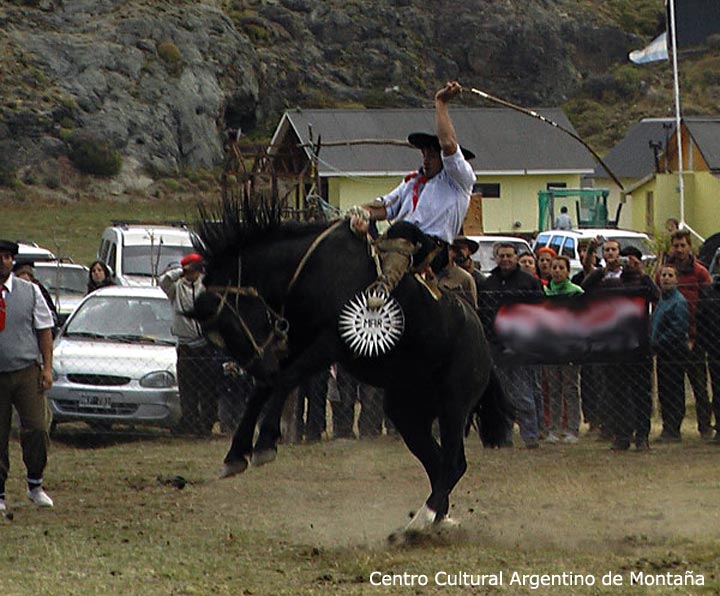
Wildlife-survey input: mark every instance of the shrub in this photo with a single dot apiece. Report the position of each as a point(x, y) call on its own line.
point(169, 52)
point(8, 176)
point(92, 156)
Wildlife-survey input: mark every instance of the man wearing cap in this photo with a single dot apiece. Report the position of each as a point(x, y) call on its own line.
point(25, 342)
point(464, 249)
point(434, 199)
point(195, 357)
point(453, 278)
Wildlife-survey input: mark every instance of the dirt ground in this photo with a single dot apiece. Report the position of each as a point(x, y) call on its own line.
point(317, 520)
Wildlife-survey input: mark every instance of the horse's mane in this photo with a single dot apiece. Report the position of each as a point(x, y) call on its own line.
point(237, 224)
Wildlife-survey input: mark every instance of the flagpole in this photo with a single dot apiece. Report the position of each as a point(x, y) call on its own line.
point(678, 121)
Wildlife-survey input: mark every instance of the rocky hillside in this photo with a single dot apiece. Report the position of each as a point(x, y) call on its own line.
point(153, 85)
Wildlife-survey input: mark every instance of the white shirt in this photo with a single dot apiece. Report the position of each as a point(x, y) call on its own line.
point(442, 203)
point(42, 317)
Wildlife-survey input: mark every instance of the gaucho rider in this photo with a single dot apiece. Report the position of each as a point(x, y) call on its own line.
point(429, 206)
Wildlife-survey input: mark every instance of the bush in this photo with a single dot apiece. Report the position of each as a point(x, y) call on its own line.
point(8, 177)
point(95, 157)
point(169, 52)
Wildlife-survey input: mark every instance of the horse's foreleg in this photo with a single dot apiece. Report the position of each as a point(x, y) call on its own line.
point(236, 461)
point(265, 448)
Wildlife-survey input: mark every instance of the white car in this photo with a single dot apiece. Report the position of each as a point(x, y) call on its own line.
point(565, 242)
point(114, 361)
point(31, 252)
point(137, 253)
point(485, 256)
point(66, 283)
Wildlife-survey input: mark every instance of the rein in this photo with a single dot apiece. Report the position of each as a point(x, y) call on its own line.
point(280, 328)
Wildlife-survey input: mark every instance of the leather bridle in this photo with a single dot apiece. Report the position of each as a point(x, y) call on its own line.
point(276, 338)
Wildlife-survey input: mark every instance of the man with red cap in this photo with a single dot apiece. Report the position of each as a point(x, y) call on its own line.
point(195, 357)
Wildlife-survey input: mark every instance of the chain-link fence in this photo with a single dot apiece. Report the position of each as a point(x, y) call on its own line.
point(574, 369)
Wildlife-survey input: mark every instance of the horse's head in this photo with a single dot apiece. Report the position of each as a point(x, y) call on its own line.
point(240, 322)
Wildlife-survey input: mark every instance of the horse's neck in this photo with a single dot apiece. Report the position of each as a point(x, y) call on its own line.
point(279, 264)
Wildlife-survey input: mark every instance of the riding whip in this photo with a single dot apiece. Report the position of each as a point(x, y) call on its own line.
point(534, 114)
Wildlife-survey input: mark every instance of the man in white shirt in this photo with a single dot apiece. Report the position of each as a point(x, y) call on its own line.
point(436, 198)
point(26, 348)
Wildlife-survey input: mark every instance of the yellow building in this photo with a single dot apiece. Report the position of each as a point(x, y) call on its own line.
point(647, 164)
point(364, 154)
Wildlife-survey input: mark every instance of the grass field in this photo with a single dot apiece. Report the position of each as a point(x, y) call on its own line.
point(316, 521)
point(72, 228)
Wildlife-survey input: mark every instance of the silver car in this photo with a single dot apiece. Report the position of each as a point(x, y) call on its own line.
point(114, 361)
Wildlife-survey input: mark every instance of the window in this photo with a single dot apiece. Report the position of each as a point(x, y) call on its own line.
point(568, 248)
point(488, 191)
point(556, 243)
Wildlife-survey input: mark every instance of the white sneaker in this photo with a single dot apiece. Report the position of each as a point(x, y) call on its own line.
point(2, 505)
point(552, 438)
point(571, 438)
point(39, 497)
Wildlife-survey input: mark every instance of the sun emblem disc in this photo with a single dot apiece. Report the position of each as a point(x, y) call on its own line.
point(368, 331)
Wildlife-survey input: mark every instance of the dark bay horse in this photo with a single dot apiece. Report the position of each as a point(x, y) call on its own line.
point(274, 295)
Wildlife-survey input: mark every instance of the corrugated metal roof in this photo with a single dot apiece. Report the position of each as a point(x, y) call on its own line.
point(503, 140)
point(633, 157)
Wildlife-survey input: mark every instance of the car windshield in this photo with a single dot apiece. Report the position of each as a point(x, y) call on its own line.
point(123, 318)
point(61, 279)
point(146, 259)
point(485, 257)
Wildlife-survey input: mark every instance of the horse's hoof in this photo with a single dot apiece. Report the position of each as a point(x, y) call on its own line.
point(422, 520)
point(446, 523)
point(233, 468)
point(260, 458)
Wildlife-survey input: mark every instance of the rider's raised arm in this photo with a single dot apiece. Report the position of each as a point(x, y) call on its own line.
point(443, 124)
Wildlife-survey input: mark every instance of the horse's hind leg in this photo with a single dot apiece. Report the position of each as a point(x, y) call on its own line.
point(415, 427)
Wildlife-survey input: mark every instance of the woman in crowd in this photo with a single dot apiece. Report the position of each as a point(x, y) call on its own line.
point(562, 379)
point(545, 258)
point(669, 340)
point(99, 277)
point(527, 263)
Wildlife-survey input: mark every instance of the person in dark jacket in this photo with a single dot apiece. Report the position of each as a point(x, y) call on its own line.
point(99, 276)
point(507, 282)
point(692, 278)
point(708, 339)
point(669, 339)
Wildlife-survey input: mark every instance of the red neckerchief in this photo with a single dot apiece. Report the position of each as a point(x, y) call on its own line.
point(420, 179)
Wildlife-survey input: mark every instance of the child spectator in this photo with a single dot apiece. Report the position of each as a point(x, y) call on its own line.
point(669, 340)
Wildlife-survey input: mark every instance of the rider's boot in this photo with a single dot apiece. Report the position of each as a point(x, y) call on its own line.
point(395, 259)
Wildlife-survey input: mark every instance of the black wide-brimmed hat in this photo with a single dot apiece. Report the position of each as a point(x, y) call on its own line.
point(10, 246)
point(420, 140)
point(469, 242)
point(631, 251)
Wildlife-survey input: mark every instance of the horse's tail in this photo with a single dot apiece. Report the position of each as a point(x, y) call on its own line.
point(493, 413)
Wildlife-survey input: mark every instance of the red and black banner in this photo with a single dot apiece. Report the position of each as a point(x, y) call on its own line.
point(607, 327)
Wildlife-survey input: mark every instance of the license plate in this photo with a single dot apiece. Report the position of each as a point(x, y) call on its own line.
point(91, 400)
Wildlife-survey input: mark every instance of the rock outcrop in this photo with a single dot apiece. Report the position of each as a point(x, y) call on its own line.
point(160, 82)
